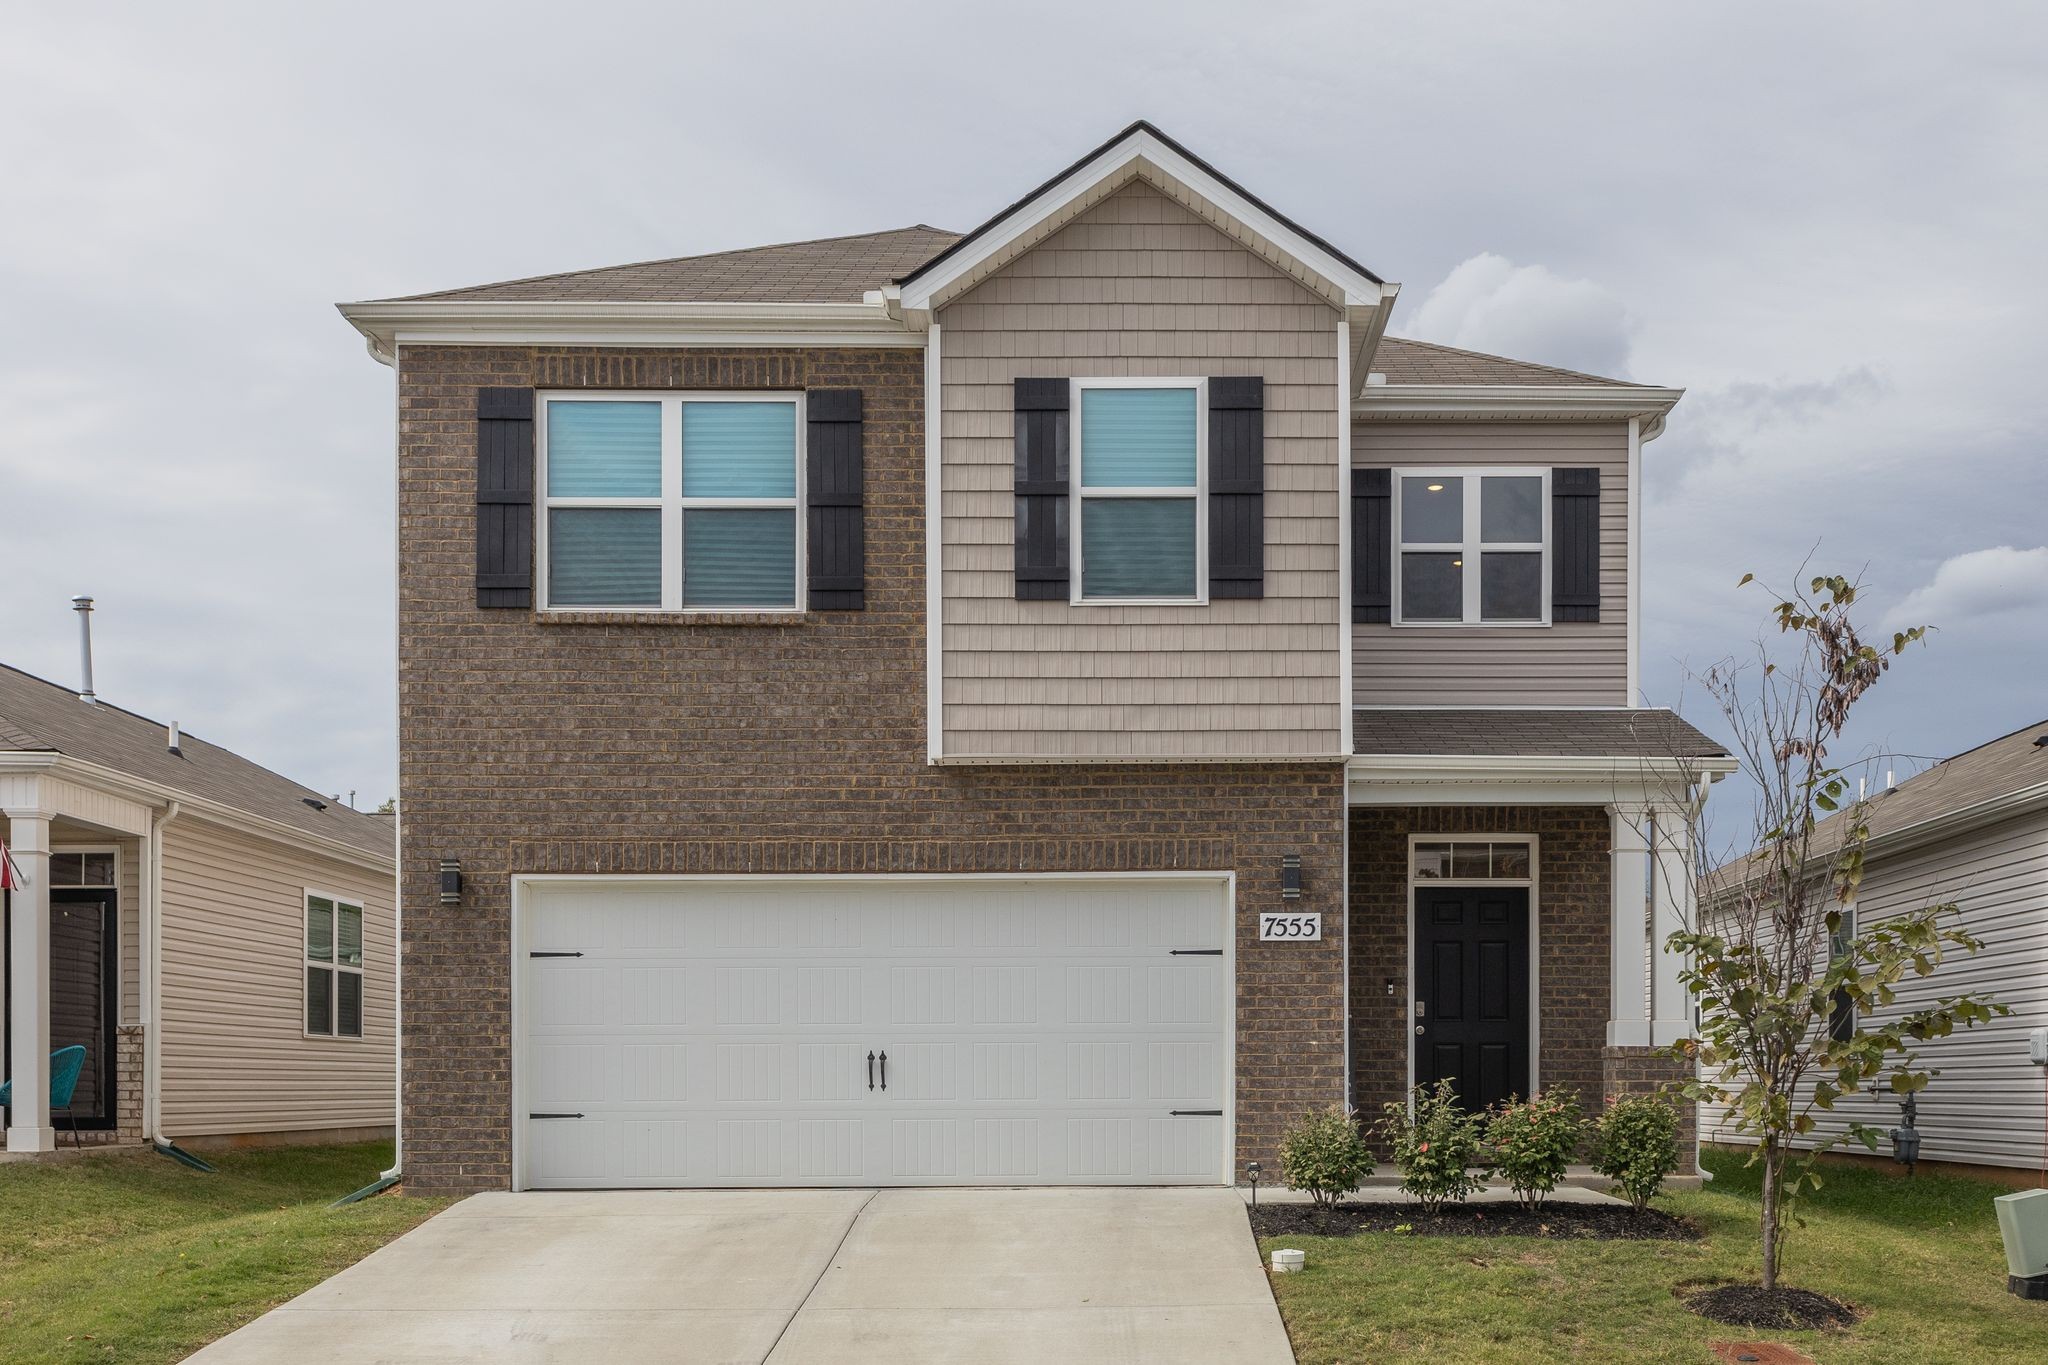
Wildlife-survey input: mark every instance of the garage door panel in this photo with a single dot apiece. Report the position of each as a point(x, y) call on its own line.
point(718, 1033)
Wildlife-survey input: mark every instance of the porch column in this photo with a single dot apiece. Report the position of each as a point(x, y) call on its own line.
point(1671, 890)
point(1628, 989)
point(28, 967)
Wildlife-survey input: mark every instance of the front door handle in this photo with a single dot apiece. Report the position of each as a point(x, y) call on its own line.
point(885, 1071)
point(871, 1071)
point(1418, 1030)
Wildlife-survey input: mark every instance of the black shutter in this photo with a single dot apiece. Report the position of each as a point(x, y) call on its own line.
point(1041, 488)
point(1237, 487)
point(1372, 545)
point(1575, 545)
point(504, 497)
point(836, 550)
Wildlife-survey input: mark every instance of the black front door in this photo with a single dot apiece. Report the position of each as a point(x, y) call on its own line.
point(83, 943)
point(1472, 990)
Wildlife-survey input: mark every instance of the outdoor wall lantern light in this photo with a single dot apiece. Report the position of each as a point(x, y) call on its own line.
point(1290, 877)
point(451, 881)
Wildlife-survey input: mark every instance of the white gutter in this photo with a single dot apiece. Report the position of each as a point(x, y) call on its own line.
point(150, 928)
point(150, 793)
point(386, 325)
point(1518, 400)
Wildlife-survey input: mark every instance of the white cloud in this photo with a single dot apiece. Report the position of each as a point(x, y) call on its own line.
point(1980, 583)
point(1488, 303)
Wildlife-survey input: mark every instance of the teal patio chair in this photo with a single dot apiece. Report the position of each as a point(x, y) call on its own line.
point(65, 1064)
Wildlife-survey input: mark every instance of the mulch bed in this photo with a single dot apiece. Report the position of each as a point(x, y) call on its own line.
point(1781, 1309)
point(1565, 1222)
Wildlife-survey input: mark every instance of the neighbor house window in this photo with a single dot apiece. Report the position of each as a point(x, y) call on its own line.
point(1143, 536)
point(1474, 546)
point(334, 967)
point(671, 502)
point(1842, 1008)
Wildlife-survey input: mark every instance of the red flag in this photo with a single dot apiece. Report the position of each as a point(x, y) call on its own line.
point(10, 875)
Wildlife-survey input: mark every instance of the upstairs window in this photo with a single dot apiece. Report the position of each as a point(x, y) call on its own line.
point(1474, 547)
point(334, 967)
point(671, 502)
point(1142, 477)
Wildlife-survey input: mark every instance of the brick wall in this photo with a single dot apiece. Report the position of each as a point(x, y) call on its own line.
point(728, 744)
point(1646, 1071)
point(1574, 867)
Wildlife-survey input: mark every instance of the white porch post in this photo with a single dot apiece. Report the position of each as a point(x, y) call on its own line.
point(28, 966)
point(1627, 1021)
point(1672, 896)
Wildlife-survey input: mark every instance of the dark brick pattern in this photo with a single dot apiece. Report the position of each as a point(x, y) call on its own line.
point(1574, 868)
point(604, 743)
point(1646, 1071)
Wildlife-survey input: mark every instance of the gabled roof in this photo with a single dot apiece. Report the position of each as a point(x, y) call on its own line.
point(824, 270)
point(2007, 766)
point(1648, 733)
point(1140, 151)
point(1425, 362)
point(42, 717)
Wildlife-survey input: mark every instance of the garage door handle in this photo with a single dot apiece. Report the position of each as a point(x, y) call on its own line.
point(1195, 1113)
point(885, 1071)
point(554, 955)
point(1194, 952)
point(554, 1116)
point(871, 1071)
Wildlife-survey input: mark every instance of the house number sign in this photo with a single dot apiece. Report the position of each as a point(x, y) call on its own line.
point(1290, 927)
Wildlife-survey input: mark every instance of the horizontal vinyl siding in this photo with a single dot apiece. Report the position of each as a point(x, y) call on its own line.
point(1568, 664)
point(235, 1057)
point(1987, 1105)
point(1139, 285)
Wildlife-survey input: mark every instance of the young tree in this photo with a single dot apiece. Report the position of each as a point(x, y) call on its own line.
point(1781, 975)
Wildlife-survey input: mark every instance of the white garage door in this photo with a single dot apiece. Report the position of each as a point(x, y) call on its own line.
point(874, 1032)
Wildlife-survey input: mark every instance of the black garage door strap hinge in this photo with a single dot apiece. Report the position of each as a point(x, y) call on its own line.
point(1195, 1113)
point(1194, 952)
point(554, 1116)
point(554, 955)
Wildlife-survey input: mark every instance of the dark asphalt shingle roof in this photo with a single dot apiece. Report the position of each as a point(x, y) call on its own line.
point(1425, 362)
point(1634, 732)
point(827, 270)
point(2008, 764)
point(41, 717)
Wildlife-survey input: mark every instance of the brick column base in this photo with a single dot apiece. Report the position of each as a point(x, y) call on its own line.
point(1626, 1071)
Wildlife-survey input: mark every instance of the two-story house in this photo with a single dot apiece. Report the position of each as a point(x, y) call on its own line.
point(1043, 705)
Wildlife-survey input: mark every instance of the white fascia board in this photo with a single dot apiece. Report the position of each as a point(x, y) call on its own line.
point(455, 322)
point(1514, 400)
point(155, 794)
point(1424, 779)
point(920, 291)
point(1125, 760)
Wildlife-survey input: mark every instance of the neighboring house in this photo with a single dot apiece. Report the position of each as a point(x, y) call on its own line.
point(218, 938)
point(1973, 831)
point(924, 708)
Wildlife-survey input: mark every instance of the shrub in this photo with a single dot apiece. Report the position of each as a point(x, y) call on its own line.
point(1325, 1154)
point(1438, 1146)
point(1533, 1141)
point(1638, 1146)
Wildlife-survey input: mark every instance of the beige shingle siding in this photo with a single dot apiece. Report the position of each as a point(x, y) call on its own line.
point(1986, 1105)
point(1567, 664)
point(235, 1055)
point(1140, 286)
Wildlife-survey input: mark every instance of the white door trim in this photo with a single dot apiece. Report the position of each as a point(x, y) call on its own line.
point(1532, 881)
point(520, 882)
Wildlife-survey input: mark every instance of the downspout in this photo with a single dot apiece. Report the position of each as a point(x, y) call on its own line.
point(152, 871)
point(386, 1179)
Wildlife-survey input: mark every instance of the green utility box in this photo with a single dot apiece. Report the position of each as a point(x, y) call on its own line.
point(2023, 1222)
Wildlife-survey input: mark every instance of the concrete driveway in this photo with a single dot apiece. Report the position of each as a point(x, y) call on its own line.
point(798, 1276)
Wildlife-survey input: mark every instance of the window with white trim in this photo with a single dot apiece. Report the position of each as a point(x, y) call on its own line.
point(1842, 1006)
point(334, 967)
point(671, 502)
point(1140, 482)
point(1474, 547)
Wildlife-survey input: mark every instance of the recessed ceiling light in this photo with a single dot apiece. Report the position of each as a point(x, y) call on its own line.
point(1457, 563)
point(1436, 488)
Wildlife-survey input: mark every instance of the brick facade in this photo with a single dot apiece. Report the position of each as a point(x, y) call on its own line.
point(1573, 905)
point(1647, 1071)
point(577, 742)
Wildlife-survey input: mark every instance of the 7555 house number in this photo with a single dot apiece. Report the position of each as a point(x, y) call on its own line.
point(1290, 928)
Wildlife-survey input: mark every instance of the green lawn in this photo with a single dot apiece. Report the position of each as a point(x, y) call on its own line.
point(133, 1257)
point(1921, 1257)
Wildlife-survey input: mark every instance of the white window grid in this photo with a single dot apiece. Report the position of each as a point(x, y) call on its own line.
point(333, 963)
point(1198, 494)
point(1471, 547)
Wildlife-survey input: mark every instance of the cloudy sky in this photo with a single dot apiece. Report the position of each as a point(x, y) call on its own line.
point(1822, 220)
